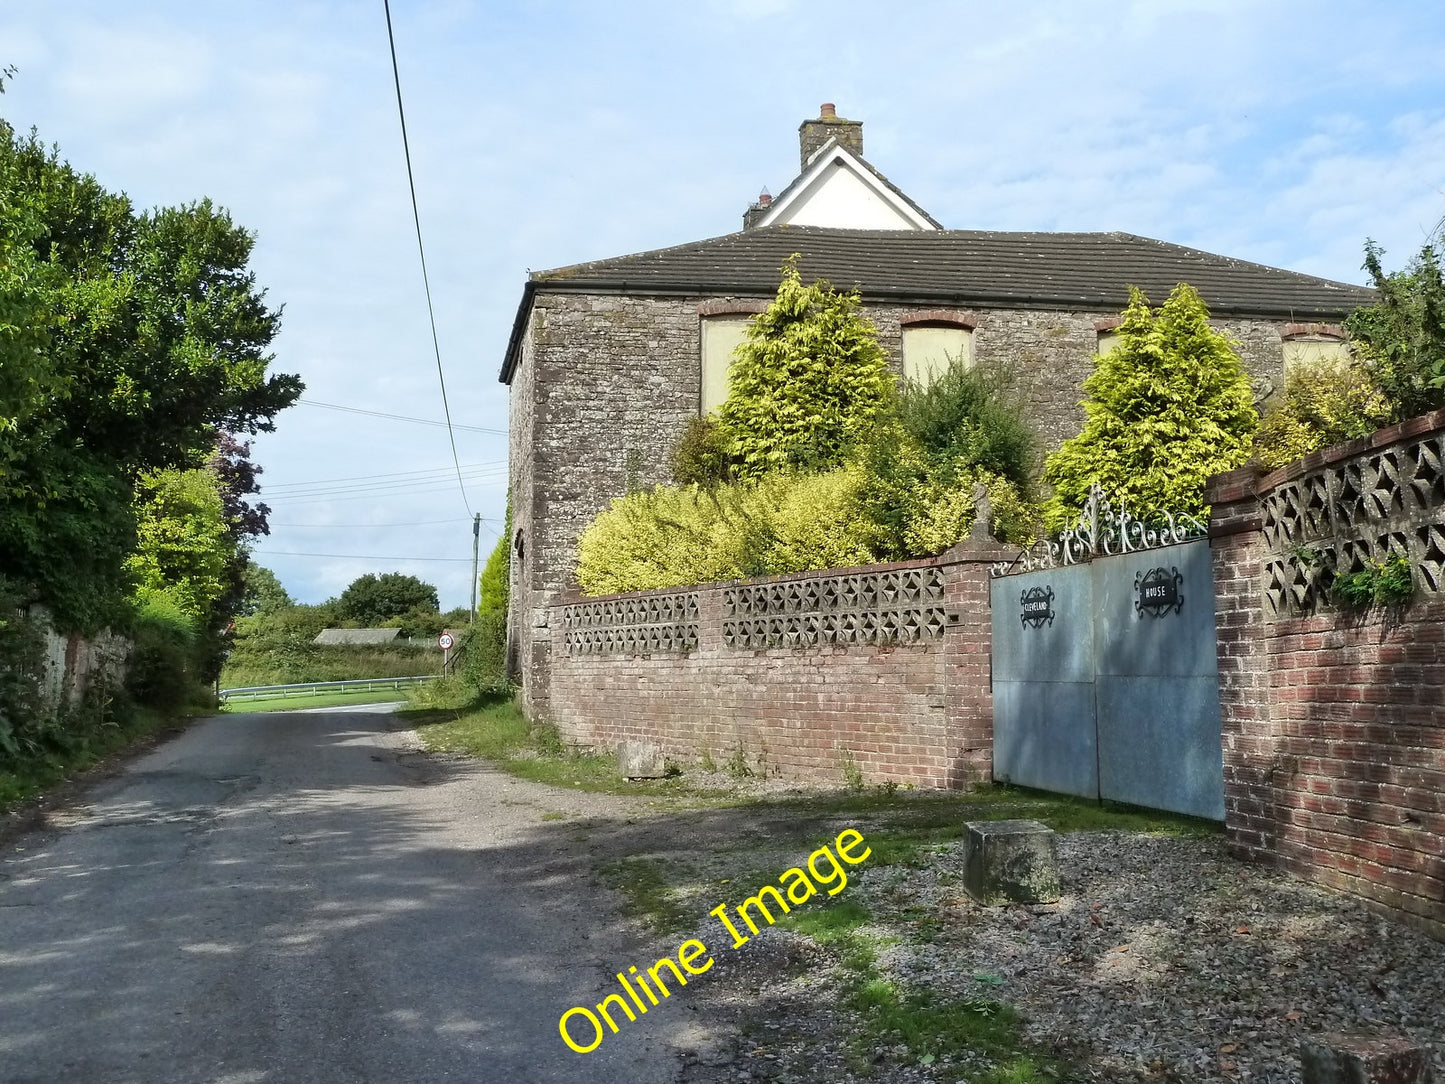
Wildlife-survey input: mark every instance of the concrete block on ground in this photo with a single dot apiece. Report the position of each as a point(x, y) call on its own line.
point(1011, 862)
point(1362, 1058)
point(640, 760)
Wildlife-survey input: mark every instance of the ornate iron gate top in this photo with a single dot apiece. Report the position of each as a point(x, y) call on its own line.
point(1104, 530)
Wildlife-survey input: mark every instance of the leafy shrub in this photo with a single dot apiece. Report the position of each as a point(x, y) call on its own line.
point(923, 466)
point(184, 548)
point(1320, 406)
point(808, 383)
point(1167, 408)
point(21, 651)
point(968, 416)
point(164, 671)
point(945, 513)
point(496, 581)
point(1403, 336)
point(1388, 582)
point(807, 522)
point(484, 653)
point(702, 456)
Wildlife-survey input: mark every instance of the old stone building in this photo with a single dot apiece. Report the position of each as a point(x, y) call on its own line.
point(609, 360)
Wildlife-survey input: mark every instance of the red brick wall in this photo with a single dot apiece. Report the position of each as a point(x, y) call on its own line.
point(917, 713)
point(1334, 720)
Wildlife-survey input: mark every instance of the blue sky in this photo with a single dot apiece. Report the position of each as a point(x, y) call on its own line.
point(550, 133)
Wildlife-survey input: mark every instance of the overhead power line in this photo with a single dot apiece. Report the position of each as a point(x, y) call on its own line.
point(378, 526)
point(421, 251)
point(293, 501)
point(361, 557)
point(401, 417)
point(381, 489)
point(415, 475)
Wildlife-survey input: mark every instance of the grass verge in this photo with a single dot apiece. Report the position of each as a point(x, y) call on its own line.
point(301, 703)
point(494, 728)
point(903, 826)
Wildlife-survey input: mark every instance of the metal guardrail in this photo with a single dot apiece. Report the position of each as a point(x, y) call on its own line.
point(316, 688)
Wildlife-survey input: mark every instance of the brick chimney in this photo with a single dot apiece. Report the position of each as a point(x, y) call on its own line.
point(812, 134)
point(754, 214)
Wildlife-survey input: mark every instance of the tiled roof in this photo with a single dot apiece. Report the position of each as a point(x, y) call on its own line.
point(973, 268)
point(355, 637)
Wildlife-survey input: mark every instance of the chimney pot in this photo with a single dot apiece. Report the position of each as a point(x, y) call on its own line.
point(765, 198)
point(813, 134)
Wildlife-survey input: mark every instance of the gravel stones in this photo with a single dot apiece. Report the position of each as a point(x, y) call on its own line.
point(1165, 959)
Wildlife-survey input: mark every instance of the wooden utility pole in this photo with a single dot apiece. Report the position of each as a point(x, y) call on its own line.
point(476, 539)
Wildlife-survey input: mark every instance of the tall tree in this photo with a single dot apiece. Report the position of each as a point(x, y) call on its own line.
point(1169, 406)
point(263, 592)
point(372, 599)
point(128, 341)
point(1402, 337)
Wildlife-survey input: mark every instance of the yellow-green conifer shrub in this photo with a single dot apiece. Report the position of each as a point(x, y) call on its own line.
point(812, 521)
point(660, 537)
point(672, 536)
point(1319, 406)
point(808, 382)
point(1167, 408)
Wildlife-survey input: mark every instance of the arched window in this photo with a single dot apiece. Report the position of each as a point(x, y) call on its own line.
point(1310, 346)
point(934, 340)
point(1108, 332)
point(724, 325)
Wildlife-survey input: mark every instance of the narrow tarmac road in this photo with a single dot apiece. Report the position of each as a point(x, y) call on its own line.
point(298, 897)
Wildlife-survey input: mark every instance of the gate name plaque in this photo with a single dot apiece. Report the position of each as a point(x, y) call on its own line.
point(1036, 607)
point(1158, 592)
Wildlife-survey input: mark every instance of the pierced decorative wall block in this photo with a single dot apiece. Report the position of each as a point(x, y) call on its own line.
point(632, 626)
point(1381, 505)
point(901, 606)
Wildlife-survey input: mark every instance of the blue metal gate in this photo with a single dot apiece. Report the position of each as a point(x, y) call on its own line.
point(1105, 681)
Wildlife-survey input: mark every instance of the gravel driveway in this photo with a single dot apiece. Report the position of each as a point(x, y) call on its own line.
point(1166, 960)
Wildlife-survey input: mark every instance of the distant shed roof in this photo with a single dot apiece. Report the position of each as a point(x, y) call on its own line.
point(356, 637)
point(976, 268)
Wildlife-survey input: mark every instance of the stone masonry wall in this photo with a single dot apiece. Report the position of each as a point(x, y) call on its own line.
point(522, 495)
point(606, 384)
point(1334, 720)
point(74, 665)
point(884, 668)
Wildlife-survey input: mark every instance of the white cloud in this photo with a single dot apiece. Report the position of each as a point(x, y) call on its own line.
point(549, 134)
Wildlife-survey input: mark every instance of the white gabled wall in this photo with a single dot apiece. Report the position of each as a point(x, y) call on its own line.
point(840, 192)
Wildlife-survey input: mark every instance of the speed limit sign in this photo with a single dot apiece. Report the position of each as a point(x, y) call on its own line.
point(445, 641)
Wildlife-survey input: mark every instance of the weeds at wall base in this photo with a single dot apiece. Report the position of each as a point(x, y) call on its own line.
point(492, 726)
point(123, 726)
